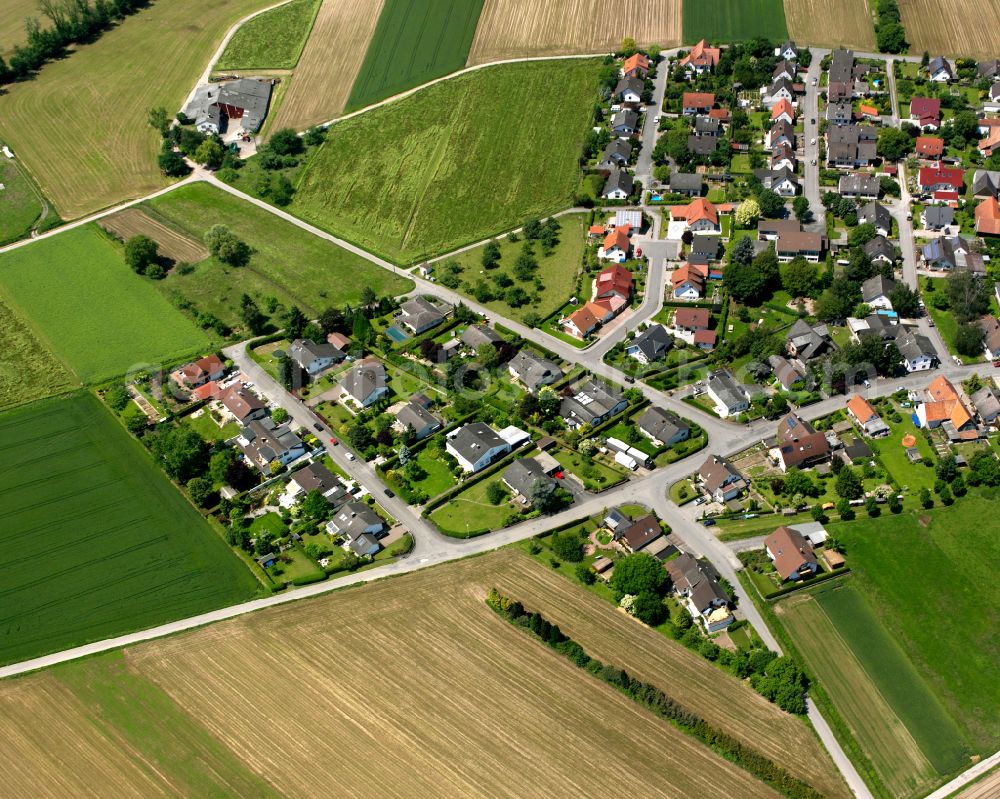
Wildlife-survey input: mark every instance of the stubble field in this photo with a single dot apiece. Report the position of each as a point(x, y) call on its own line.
point(171, 243)
point(94, 147)
point(525, 28)
point(831, 23)
point(329, 65)
point(952, 27)
point(12, 14)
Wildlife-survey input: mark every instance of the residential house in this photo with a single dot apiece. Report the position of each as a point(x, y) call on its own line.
point(619, 185)
point(840, 83)
point(702, 145)
point(799, 444)
point(616, 246)
point(625, 123)
point(787, 51)
point(613, 281)
point(938, 217)
point(585, 320)
point(704, 339)
point(688, 321)
point(356, 519)
point(781, 132)
point(416, 417)
point(663, 428)
point(698, 586)
point(314, 358)
point(859, 186)
point(840, 112)
point(804, 342)
point(988, 217)
point(629, 91)
point(706, 126)
point(697, 103)
point(782, 181)
point(616, 155)
point(953, 253)
point(783, 69)
point(314, 477)
point(868, 113)
point(937, 177)
point(866, 417)
point(592, 403)
point(721, 480)
point(783, 111)
point(785, 372)
point(524, 475)
point(792, 554)
point(704, 250)
point(989, 70)
point(730, 397)
point(615, 520)
point(266, 443)
point(987, 404)
point(685, 183)
point(420, 315)
point(475, 446)
point(875, 292)
point(243, 405)
point(990, 144)
point(198, 373)
point(636, 65)
point(700, 216)
point(339, 340)
point(781, 89)
point(800, 244)
point(650, 345)
point(770, 229)
point(365, 383)
point(925, 112)
point(475, 335)
point(991, 337)
point(878, 215)
point(917, 352)
point(688, 282)
point(939, 70)
point(929, 147)
point(701, 58)
point(850, 145)
point(880, 251)
point(783, 158)
point(533, 370)
point(640, 534)
point(943, 407)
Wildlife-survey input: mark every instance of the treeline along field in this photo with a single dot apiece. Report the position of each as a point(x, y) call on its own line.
point(97, 542)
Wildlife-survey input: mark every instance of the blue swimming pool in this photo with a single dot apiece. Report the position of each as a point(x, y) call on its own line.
point(655, 198)
point(396, 334)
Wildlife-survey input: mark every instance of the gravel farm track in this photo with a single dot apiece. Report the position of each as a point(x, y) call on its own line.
point(527, 28)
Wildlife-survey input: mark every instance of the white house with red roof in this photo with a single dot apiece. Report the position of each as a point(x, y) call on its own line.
point(783, 109)
point(688, 282)
point(617, 245)
point(635, 66)
point(940, 178)
point(701, 58)
point(925, 112)
point(700, 216)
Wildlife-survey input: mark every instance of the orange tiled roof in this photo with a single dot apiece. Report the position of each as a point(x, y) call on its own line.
point(697, 100)
point(634, 62)
point(861, 408)
point(988, 217)
point(617, 238)
point(782, 107)
point(699, 209)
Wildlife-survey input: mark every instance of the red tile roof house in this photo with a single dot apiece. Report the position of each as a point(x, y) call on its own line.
point(688, 281)
point(697, 102)
point(701, 58)
point(799, 443)
point(991, 144)
point(783, 110)
point(616, 245)
point(925, 112)
point(199, 372)
point(640, 534)
point(700, 215)
point(929, 146)
point(988, 217)
point(584, 321)
point(613, 281)
point(691, 319)
point(635, 66)
point(939, 178)
point(793, 556)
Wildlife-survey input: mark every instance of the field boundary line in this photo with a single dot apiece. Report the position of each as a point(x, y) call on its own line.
point(969, 775)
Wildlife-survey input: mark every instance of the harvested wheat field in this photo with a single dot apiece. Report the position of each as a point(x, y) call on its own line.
point(322, 81)
point(414, 687)
point(12, 14)
point(944, 28)
point(831, 23)
point(524, 28)
point(986, 788)
point(172, 243)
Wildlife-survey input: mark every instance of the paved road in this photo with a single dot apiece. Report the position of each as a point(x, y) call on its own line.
point(810, 112)
point(644, 163)
point(966, 777)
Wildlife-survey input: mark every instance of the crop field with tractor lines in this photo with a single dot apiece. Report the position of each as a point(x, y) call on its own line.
point(28, 369)
point(525, 28)
point(273, 40)
point(97, 541)
point(831, 23)
point(952, 27)
point(171, 243)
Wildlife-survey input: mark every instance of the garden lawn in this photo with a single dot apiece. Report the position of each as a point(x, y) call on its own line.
point(94, 312)
point(945, 321)
point(930, 577)
point(893, 456)
point(273, 40)
point(98, 543)
point(20, 206)
point(439, 477)
point(595, 476)
point(209, 430)
point(269, 523)
point(454, 163)
point(728, 21)
point(470, 512)
point(557, 271)
point(415, 41)
point(288, 263)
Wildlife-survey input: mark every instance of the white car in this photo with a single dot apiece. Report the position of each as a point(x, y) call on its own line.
point(350, 456)
point(814, 81)
point(812, 141)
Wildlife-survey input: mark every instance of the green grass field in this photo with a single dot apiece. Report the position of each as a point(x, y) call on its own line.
point(415, 41)
point(19, 203)
point(557, 271)
point(733, 20)
point(290, 264)
point(97, 541)
point(930, 578)
point(471, 512)
point(274, 40)
point(454, 163)
point(28, 369)
point(93, 311)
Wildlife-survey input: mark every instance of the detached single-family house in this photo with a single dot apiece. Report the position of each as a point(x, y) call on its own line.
point(625, 123)
point(785, 372)
point(701, 58)
point(917, 352)
point(592, 403)
point(523, 475)
point(697, 103)
point(698, 586)
point(314, 477)
point(782, 181)
point(800, 244)
point(783, 69)
point(420, 315)
point(987, 404)
point(686, 183)
point(876, 214)
point(943, 407)
point(312, 357)
point(721, 479)
point(616, 246)
point(929, 147)
point(688, 321)
point(939, 70)
point(585, 320)
point(875, 292)
point(865, 416)
point(613, 281)
point(799, 444)
point(938, 178)
point(805, 342)
point(880, 251)
point(533, 370)
point(265, 443)
point(988, 217)
point(859, 186)
point(925, 112)
point(788, 51)
point(475, 335)
point(198, 373)
point(619, 185)
point(700, 216)
point(840, 83)
point(616, 155)
point(365, 383)
point(415, 416)
point(990, 144)
point(792, 554)
point(640, 534)
point(650, 345)
point(636, 65)
point(938, 217)
point(662, 427)
point(991, 336)
point(356, 519)
point(781, 132)
point(243, 405)
point(475, 446)
point(688, 281)
point(783, 110)
point(730, 397)
point(629, 91)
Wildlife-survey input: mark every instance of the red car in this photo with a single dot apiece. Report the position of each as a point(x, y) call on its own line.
point(333, 441)
point(996, 364)
point(559, 475)
point(638, 252)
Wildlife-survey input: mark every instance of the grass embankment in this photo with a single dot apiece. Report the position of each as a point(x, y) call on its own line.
point(288, 263)
point(97, 541)
point(454, 163)
point(414, 41)
point(92, 310)
point(273, 40)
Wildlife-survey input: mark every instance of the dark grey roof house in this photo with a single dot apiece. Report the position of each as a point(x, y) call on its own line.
point(533, 370)
point(593, 403)
point(650, 345)
point(523, 475)
point(662, 427)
